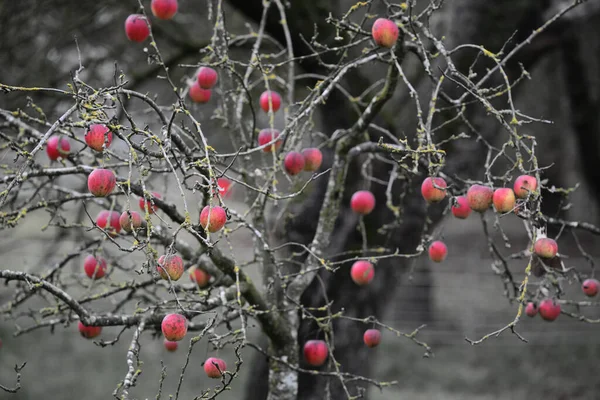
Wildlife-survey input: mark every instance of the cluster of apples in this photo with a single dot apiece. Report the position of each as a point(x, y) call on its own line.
point(315, 351)
point(98, 137)
point(137, 26)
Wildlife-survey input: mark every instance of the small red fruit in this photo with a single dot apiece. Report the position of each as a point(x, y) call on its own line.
point(271, 97)
point(266, 136)
point(315, 352)
point(438, 251)
point(109, 221)
point(224, 185)
point(174, 327)
point(207, 77)
point(170, 266)
point(385, 32)
point(94, 268)
point(480, 197)
point(147, 204)
point(531, 309)
point(199, 276)
point(523, 185)
point(164, 9)
point(127, 222)
point(372, 337)
point(362, 272)
point(504, 200)
point(199, 95)
point(431, 193)
point(101, 182)
point(171, 346)
point(313, 159)
point(214, 367)
point(461, 209)
point(545, 248)
point(54, 151)
point(136, 28)
point(98, 137)
point(218, 217)
point(89, 332)
point(549, 309)
point(362, 202)
point(293, 163)
point(590, 287)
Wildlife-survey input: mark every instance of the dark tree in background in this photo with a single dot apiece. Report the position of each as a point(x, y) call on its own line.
point(474, 92)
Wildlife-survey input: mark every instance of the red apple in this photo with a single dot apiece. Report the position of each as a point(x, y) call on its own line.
point(214, 367)
point(372, 337)
point(130, 223)
point(174, 327)
point(207, 77)
point(504, 200)
point(461, 209)
point(362, 202)
point(89, 332)
point(54, 151)
point(199, 95)
point(266, 136)
point(109, 221)
point(545, 248)
point(590, 287)
point(101, 182)
point(170, 266)
point(385, 32)
point(293, 163)
point(313, 159)
point(224, 185)
point(531, 309)
point(523, 185)
point(199, 276)
point(549, 309)
point(431, 193)
point(147, 204)
point(98, 137)
point(362, 272)
point(271, 97)
point(480, 197)
point(94, 268)
point(164, 9)
point(136, 28)
point(171, 346)
point(438, 251)
point(315, 352)
point(218, 217)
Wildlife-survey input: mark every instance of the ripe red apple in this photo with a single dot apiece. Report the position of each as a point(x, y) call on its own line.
point(313, 159)
point(267, 135)
point(170, 266)
point(293, 163)
point(523, 185)
point(315, 352)
point(207, 77)
point(94, 268)
point(531, 309)
point(480, 197)
point(147, 204)
point(98, 137)
point(362, 202)
point(199, 276)
point(372, 337)
point(89, 332)
point(109, 221)
point(269, 96)
point(199, 95)
point(218, 217)
point(214, 367)
point(224, 185)
point(362, 272)
point(54, 151)
point(101, 182)
point(164, 9)
point(430, 192)
point(590, 287)
point(174, 327)
point(461, 209)
point(130, 223)
point(549, 309)
point(545, 248)
point(171, 346)
point(385, 32)
point(438, 251)
point(504, 200)
point(136, 28)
